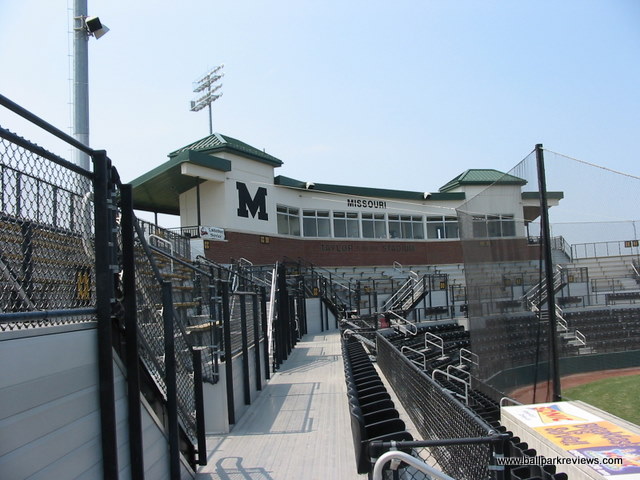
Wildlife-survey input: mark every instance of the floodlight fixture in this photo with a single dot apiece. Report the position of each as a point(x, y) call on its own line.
point(208, 84)
point(95, 27)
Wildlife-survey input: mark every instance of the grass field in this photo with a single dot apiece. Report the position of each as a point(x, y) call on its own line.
point(619, 396)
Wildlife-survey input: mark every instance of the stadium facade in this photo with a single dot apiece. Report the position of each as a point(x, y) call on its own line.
point(229, 198)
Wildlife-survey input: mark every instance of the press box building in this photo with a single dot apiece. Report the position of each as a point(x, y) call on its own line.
point(233, 205)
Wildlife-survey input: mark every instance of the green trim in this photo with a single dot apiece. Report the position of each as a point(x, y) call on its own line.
point(482, 177)
point(536, 195)
point(223, 143)
point(366, 191)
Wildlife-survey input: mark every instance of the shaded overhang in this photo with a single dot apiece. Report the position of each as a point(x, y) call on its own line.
point(159, 190)
point(531, 203)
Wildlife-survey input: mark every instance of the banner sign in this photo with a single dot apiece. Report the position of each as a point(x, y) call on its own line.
point(211, 233)
point(585, 435)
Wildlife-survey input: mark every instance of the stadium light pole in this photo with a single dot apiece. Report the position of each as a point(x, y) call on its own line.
point(554, 365)
point(208, 84)
point(84, 27)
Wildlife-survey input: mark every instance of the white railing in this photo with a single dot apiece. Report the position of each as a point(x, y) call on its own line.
point(469, 357)
point(454, 378)
point(271, 309)
point(408, 292)
point(537, 295)
point(396, 457)
point(424, 356)
point(402, 324)
point(461, 370)
point(435, 341)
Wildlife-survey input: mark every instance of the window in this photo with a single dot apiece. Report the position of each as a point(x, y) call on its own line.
point(315, 223)
point(442, 227)
point(494, 226)
point(406, 226)
point(373, 225)
point(288, 220)
point(345, 224)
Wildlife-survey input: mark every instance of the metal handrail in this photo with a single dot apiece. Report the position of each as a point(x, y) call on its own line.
point(437, 342)
point(424, 356)
point(450, 377)
point(472, 358)
point(401, 326)
point(396, 457)
point(504, 400)
point(165, 241)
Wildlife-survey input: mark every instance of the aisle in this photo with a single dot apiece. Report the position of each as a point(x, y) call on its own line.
point(298, 428)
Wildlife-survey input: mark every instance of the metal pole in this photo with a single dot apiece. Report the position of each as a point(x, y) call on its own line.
point(104, 294)
point(198, 210)
point(171, 381)
point(210, 119)
point(199, 401)
point(136, 454)
point(256, 341)
point(265, 333)
point(554, 364)
point(246, 385)
point(228, 362)
point(80, 81)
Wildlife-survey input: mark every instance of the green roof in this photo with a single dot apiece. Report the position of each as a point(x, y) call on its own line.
point(158, 189)
point(536, 195)
point(482, 177)
point(365, 191)
point(220, 143)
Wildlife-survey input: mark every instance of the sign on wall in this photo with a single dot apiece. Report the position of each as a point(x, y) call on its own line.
point(211, 233)
point(254, 205)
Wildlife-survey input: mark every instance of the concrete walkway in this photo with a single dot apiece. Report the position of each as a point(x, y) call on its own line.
point(298, 428)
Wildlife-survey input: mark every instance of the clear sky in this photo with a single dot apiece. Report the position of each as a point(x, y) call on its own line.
point(403, 95)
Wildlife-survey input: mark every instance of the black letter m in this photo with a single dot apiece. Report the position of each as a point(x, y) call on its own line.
point(258, 204)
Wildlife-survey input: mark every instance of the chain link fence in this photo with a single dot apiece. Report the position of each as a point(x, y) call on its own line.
point(437, 415)
point(46, 237)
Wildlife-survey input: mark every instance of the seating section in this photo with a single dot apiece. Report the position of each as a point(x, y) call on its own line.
point(607, 330)
point(373, 413)
point(454, 338)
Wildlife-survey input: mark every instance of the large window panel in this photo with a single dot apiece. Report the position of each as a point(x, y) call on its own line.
point(374, 225)
point(316, 223)
point(288, 220)
point(345, 225)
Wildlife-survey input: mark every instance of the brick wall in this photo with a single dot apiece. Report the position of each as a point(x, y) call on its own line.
point(260, 249)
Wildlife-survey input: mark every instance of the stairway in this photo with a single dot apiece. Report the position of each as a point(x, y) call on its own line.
point(408, 295)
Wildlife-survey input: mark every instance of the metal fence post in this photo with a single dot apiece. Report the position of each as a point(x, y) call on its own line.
point(265, 333)
point(282, 323)
point(171, 381)
point(136, 456)
point(246, 385)
point(228, 363)
point(199, 401)
point(104, 296)
point(256, 341)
